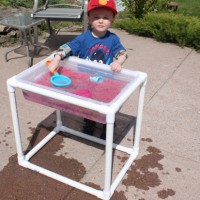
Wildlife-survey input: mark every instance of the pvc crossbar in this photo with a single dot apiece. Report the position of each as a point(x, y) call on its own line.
point(75, 133)
point(40, 144)
point(123, 171)
point(95, 139)
point(63, 179)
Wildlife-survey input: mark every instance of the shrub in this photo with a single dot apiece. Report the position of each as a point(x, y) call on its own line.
point(138, 8)
point(4, 3)
point(161, 5)
point(26, 3)
point(165, 27)
point(22, 3)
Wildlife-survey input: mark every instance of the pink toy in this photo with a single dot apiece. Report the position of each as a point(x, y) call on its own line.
point(83, 93)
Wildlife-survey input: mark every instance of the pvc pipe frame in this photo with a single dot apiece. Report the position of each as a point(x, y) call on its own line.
point(109, 187)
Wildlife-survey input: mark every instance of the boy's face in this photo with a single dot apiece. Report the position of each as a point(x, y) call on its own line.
point(100, 20)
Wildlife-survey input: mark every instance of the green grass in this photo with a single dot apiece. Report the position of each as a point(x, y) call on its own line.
point(189, 7)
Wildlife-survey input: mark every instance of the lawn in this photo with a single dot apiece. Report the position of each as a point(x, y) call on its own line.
point(189, 7)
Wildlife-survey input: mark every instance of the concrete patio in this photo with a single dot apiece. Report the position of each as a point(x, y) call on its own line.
point(169, 158)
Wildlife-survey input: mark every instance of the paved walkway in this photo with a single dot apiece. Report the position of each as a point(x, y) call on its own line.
point(169, 160)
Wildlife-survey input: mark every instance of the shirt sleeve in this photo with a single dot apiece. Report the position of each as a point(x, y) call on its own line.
point(76, 44)
point(117, 46)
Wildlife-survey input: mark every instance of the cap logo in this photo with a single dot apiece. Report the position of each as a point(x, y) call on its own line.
point(103, 2)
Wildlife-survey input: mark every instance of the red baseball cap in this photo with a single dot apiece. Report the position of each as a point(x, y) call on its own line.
point(94, 4)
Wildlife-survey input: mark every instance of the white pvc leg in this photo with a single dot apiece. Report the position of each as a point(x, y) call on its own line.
point(108, 161)
point(58, 118)
point(15, 120)
point(139, 116)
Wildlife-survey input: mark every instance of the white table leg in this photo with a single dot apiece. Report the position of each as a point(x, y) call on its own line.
point(15, 119)
point(108, 159)
point(58, 118)
point(139, 116)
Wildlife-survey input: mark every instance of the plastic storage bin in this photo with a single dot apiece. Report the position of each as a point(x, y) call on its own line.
point(85, 85)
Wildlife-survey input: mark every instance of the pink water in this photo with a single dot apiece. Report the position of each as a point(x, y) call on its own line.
point(81, 85)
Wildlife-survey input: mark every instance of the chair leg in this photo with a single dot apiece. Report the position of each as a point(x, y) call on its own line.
point(49, 26)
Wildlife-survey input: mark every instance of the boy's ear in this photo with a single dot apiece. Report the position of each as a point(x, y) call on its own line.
point(88, 19)
point(113, 18)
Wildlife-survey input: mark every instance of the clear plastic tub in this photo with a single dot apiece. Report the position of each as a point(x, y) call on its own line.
point(83, 86)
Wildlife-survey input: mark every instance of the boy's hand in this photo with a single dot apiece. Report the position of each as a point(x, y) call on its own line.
point(53, 65)
point(115, 66)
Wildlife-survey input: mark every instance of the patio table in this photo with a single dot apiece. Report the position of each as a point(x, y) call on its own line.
point(24, 23)
point(119, 86)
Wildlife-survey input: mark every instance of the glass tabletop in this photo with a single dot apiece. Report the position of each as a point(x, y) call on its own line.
point(21, 20)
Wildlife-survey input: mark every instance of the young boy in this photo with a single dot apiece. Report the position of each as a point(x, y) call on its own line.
point(97, 44)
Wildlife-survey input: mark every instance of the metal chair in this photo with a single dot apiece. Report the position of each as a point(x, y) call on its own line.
point(66, 12)
point(61, 12)
point(119, 5)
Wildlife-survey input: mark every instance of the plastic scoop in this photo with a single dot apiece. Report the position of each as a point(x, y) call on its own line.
point(57, 79)
point(97, 79)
